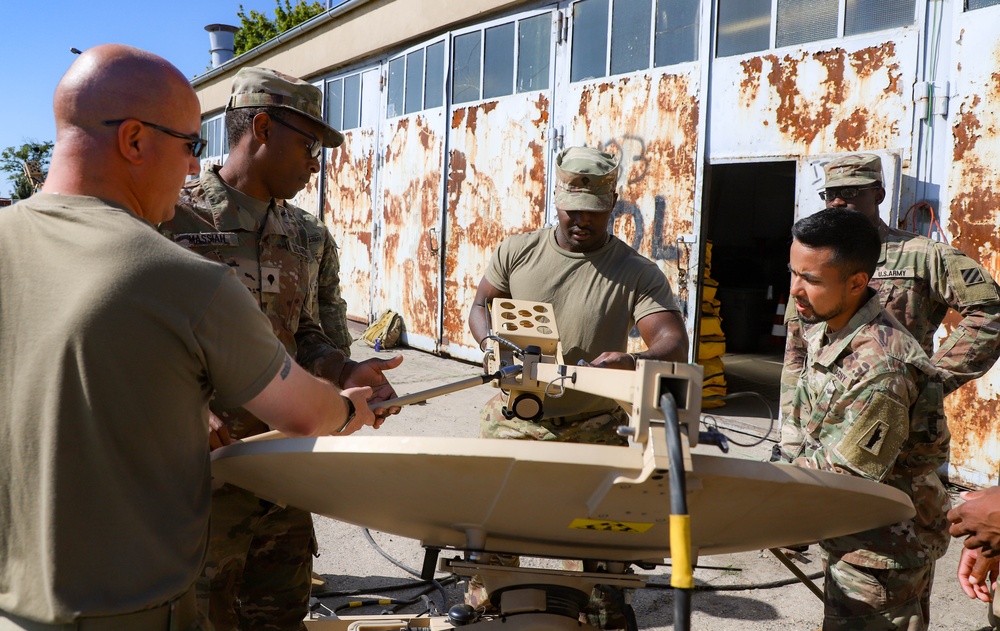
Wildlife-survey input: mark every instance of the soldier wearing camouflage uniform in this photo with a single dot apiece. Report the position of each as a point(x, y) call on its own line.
point(868, 403)
point(258, 571)
point(325, 304)
point(599, 288)
point(918, 280)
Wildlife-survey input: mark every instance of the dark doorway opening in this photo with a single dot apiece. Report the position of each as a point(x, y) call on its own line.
point(749, 211)
point(751, 207)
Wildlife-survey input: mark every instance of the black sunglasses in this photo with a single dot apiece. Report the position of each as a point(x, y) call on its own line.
point(314, 148)
point(195, 143)
point(845, 193)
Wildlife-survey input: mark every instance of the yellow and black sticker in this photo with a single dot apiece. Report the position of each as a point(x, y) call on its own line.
point(605, 525)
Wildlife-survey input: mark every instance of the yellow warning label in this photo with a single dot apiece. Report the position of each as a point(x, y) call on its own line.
point(605, 525)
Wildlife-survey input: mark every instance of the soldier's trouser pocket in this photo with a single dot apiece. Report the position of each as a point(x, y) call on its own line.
point(861, 598)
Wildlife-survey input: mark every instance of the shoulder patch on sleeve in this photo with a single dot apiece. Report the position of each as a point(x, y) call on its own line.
point(873, 441)
point(972, 285)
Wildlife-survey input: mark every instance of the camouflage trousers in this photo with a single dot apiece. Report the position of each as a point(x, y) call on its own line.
point(598, 427)
point(868, 599)
point(258, 570)
point(606, 606)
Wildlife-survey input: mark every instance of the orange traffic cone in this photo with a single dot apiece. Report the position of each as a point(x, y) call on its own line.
point(778, 329)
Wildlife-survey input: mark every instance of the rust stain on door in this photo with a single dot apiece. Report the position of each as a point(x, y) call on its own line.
point(651, 122)
point(411, 208)
point(974, 223)
point(496, 187)
point(825, 101)
point(348, 208)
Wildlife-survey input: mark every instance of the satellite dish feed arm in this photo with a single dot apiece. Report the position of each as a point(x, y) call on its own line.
point(638, 391)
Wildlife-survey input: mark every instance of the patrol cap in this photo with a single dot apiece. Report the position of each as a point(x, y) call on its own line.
point(860, 169)
point(586, 179)
point(263, 87)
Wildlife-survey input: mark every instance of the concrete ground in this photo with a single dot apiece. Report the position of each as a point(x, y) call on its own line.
point(747, 591)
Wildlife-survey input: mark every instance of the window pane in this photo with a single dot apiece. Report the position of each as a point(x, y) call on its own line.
point(590, 40)
point(394, 106)
point(676, 32)
point(498, 71)
point(806, 21)
point(206, 133)
point(971, 5)
point(225, 137)
point(533, 53)
point(352, 101)
point(334, 103)
point(216, 141)
point(434, 81)
point(370, 97)
point(414, 80)
point(744, 26)
point(630, 35)
point(465, 68)
point(865, 16)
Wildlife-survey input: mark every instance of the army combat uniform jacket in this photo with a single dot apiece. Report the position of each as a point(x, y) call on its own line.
point(325, 303)
point(272, 260)
point(918, 281)
point(869, 403)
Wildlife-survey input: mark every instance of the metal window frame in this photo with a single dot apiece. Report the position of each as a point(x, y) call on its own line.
point(841, 25)
point(482, 27)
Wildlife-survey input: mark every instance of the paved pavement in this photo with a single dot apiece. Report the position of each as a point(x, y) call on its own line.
point(744, 591)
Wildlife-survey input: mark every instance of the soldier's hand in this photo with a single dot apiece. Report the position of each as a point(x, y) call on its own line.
point(620, 361)
point(977, 574)
point(218, 435)
point(979, 518)
point(370, 373)
point(362, 413)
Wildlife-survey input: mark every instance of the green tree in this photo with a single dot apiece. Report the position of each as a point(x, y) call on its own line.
point(12, 162)
point(257, 28)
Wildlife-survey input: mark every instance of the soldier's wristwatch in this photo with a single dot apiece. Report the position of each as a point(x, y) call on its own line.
point(350, 413)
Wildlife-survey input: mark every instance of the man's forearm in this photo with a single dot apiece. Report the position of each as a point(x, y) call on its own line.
point(477, 323)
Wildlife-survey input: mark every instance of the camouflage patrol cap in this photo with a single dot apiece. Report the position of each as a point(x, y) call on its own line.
point(860, 169)
point(586, 179)
point(263, 87)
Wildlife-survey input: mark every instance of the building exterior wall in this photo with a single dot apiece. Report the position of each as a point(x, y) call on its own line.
point(418, 200)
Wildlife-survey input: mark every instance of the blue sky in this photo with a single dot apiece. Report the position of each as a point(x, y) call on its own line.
point(37, 36)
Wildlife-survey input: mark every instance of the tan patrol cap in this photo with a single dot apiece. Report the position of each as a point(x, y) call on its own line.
point(263, 87)
point(860, 169)
point(586, 179)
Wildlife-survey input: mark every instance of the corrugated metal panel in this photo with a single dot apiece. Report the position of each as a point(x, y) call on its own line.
point(496, 187)
point(348, 205)
point(407, 254)
point(849, 98)
point(651, 121)
point(973, 223)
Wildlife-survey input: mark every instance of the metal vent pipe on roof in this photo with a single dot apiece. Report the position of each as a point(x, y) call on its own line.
point(222, 38)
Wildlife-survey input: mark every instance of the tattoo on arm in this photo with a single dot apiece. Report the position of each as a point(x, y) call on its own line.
point(286, 368)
